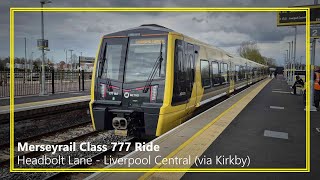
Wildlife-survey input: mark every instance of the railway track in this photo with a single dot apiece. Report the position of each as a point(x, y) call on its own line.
point(40, 112)
point(84, 136)
point(98, 162)
point(62, 136)
point(35, 127)
point(93, 137)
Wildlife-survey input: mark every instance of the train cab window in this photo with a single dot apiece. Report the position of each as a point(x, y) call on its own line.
point(205, 73)
point(111, 67)
point(215, 73)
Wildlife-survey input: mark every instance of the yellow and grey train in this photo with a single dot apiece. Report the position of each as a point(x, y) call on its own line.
point(149, 79)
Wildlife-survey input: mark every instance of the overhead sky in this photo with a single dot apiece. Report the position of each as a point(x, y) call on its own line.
point(81, 32)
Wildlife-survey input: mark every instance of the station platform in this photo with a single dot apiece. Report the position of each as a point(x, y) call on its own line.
point(264, 123)
point(26, 103)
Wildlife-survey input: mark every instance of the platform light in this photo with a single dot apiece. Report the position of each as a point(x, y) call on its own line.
point(43, 87)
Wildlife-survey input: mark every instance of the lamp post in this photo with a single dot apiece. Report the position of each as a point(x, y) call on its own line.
point(71, 58)
point(25, 60)
point(300, 66)
point(294, 46)
point(289, 58)
point(71, 64)
point(65, 50)
point(43, 90)
point(31, 61)
point(292, 64)
point(79, 59)
point(31, 65)
point(287, 63)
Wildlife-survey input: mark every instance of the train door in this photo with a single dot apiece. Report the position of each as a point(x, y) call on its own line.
point(231, 77)
point(190, 55)
point(246, 73)
point(250, 74)
point(184, 72)
point(179, 97)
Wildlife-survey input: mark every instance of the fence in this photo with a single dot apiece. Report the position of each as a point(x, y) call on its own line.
point(29, 83)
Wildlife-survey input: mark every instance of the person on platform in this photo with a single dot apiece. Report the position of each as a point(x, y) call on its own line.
point(316, 87)
point(299, 82)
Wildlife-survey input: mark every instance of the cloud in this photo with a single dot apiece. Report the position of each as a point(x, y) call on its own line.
point(82, 31)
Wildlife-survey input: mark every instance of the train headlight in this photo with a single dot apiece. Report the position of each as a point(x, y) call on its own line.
point(103, 90)
point(153, 93)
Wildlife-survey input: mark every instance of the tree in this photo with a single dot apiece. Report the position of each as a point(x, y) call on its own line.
point(270, 62)
point(61, 65)
point(250, 50)
point(50, 64)
point(2, 64)
point(4, 61)
point(37, 64)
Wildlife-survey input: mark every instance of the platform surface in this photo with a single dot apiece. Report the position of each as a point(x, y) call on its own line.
point(201, 129)
point(245, 135)
point(34, 102)
point(265, 122)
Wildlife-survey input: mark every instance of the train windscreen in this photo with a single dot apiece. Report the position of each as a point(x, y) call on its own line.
point(142, 55)
point(112, 65)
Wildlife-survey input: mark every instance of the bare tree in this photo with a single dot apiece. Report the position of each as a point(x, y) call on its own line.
point(250, 50)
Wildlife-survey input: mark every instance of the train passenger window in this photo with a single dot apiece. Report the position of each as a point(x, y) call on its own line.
point(242, 73)
point(215, 73)
point(237, 73)
point(249, 73)
point(205, 73)
point(224, 73)
point(225, 65)
point(221, 68)
point(253, 72)
point(215, 68)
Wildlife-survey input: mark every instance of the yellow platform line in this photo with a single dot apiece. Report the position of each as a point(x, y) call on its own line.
point(199, 142)
point(46, 102)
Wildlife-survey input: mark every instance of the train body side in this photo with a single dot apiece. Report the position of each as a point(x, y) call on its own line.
point(238, 74)
point(195, 73)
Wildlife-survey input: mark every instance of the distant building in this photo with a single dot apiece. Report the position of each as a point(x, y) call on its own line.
point(86, 63)
point(19, 66)
point(87, 67)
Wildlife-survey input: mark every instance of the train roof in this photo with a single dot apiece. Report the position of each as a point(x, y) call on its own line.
point(158, 29)
point(143, 29)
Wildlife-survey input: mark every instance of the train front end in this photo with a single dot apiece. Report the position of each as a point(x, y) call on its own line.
point(129, 81)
